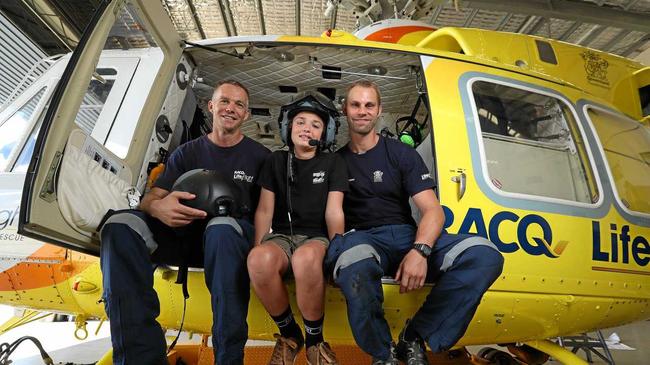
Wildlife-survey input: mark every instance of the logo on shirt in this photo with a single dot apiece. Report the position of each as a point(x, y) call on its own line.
point(377, 176)
point(241, 175)
point(425, 176)
point(319, 177)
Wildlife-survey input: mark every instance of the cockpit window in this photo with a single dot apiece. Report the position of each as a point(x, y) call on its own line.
point(627, 148)
point(13, 130)
point(532, 144)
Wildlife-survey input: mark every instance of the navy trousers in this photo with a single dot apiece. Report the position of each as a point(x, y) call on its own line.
point(462, 267)
point(132, 242)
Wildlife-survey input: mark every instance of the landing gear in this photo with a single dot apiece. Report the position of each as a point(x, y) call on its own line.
point(519, 355)
point(492, 356)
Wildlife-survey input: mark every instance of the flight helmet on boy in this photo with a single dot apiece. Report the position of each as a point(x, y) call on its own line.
point(318, 104)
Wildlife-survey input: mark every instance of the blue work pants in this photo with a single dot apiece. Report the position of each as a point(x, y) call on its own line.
point(131, 243)
point(462, 267)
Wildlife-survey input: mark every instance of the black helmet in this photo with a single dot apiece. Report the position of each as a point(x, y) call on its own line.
point(216, 193)
point(316, 103)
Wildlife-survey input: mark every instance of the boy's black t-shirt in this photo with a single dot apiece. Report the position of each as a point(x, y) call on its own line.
point(381, 181)
point(314, 179)
point(242, 162)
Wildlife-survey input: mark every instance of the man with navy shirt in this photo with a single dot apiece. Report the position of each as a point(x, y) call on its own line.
point(384, 240)
point(132, 240)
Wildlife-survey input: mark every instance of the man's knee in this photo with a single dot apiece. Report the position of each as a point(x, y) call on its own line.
point(227, 233)
point(356, 257)
point(119, 229)
point(481, 264)
point(358, 274)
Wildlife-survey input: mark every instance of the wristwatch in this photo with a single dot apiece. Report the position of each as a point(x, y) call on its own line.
point(423, 249)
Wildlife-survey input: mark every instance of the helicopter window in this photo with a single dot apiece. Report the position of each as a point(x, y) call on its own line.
point(94, 100)
point(26, 154)
point(532, 144)
point(107, 109)
point(644, 96)
point(626, 143)
point(13, 129)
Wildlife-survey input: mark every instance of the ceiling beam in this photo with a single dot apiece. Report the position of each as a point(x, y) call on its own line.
point(615, 41)
point(470, 17)
point(436, 14)
point(195, 15)
point(260, 14)
point(635, 45)
point(334, 14)
point(592, 34)
point(569, 10)
point(298, 6)
point(567, 33)
point(47, 14)
point(504, 21)
point(228, 21)
point(537, 26)
point(530, 20)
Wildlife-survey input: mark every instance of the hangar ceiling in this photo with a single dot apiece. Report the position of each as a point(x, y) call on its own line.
point(618, 26)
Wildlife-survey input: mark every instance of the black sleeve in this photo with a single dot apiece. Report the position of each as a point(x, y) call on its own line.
point(415, 174)
point(267, 172)
point(338, 180)
point(174, 168)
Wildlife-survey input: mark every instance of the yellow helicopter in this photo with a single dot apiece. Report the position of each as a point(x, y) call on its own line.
point(539, 145)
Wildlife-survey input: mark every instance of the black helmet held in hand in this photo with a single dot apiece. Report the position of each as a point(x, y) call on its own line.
point(216, 193)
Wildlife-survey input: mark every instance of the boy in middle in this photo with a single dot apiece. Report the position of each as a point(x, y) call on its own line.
point(302, 198)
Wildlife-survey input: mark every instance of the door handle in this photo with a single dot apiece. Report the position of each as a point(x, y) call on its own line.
point(460, 179)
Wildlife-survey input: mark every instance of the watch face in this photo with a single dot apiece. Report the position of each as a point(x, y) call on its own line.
point(423, 248)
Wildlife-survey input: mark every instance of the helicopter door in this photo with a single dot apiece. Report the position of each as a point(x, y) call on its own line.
point(89, 153)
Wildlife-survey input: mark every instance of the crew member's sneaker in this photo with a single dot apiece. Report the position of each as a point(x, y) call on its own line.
point(411, 352)
point(392, 359)
point(285, 350)
point(321, 354)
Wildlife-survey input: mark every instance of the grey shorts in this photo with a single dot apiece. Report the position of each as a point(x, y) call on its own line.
point(289, 244)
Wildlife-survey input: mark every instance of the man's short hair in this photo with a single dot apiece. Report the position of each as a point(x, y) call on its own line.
point(367, 84)
point(234, 83)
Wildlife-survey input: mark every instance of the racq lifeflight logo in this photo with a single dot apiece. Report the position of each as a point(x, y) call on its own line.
point(611, 243)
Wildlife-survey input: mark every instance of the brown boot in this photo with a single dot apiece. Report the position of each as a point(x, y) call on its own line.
point(321, 354)
point(285, 350)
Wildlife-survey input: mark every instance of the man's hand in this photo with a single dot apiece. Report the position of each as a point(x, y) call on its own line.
point(412, 272)
point(172, 212)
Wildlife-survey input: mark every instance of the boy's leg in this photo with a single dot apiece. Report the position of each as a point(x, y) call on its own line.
point(267, 264)
point(465, 266)
point(129, 298)
point(307, 265)
point(227, 242)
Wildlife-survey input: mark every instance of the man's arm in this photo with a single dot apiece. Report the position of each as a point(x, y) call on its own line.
point(334, 217)
point(412, 270)
point(166, 207)
point(264, 214)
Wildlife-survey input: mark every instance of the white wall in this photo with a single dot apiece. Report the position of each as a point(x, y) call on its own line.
point(17, 56)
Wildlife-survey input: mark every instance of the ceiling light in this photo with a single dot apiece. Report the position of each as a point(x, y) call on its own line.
point(284, 56)
point(377, 70)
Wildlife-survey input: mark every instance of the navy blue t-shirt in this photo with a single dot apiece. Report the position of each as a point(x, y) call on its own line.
point(242, 161)
point(381, 181)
